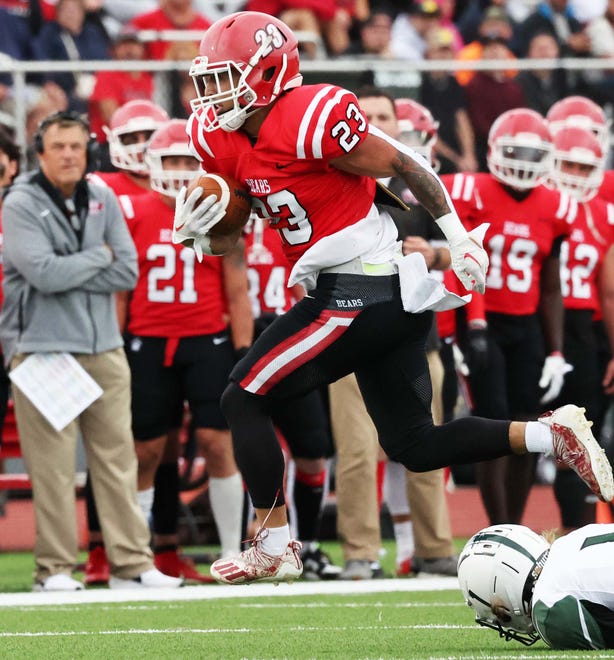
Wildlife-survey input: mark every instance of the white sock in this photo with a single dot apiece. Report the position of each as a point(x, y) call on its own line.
point(538, 438)
point(145, 500)
point(226, 497)
point(395, 490)
point(276, 541)
point(404, 537)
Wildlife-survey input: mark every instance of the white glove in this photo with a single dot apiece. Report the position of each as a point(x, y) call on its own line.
point(193, 222)
point(553, 375)
point(469, 259)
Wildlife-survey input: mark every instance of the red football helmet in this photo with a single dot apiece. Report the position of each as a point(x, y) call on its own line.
point(520, 148)
point(248, 58)
point(578, 162)
point(579, 111)
point(418, 128)
point(170, 139)
point(132, 117)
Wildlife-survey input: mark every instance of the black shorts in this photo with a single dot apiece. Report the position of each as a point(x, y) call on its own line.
point(349, 323)
point(198, 373)
point(508, 388)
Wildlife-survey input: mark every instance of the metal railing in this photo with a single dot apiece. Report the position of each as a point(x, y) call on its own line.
point(390, 72)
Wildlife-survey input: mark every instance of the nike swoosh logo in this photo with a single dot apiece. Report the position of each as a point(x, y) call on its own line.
point(219, 340)
point(282, 166)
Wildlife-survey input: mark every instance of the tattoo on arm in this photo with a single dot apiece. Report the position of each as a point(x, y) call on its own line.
point(423, 184)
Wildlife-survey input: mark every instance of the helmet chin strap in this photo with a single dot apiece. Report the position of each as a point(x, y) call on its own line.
point(232, 120)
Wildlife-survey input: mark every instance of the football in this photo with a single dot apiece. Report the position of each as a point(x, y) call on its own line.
point(234, 195)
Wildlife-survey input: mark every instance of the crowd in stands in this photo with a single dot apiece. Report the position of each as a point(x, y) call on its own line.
point(457, 111)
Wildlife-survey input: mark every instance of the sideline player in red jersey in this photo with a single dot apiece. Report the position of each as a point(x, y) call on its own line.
point(181, 347)
point(524, 308)
point(130, 128)
point(302, 422)
point(310, 161)
point(578, 170)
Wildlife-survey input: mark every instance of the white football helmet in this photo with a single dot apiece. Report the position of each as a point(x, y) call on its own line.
point(497, 570)
point(579, 163)
point(170, 139)
point(520, 148)
point(139, 116)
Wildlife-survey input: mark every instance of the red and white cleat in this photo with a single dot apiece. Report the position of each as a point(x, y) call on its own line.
point(575, 446)
point(255, 565)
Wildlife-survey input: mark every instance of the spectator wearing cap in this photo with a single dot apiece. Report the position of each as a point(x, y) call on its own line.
point(409, 29)
point(170, 15)
point(490, 93)
point(114, 88)
point(445, 98)
point(543, 87)
point(494, 27)
point(448, 8)
point(558, 19)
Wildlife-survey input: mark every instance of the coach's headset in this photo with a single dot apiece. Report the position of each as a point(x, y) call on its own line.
point(92, 149)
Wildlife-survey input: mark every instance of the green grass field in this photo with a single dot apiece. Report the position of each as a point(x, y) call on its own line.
point(283, 623)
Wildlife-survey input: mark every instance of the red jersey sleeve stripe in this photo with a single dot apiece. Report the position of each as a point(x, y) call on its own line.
point(316, 142)
point(197, 138)
point(297, 350)
point(307, 119)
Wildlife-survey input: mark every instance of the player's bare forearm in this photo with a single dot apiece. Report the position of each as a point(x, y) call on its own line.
point(551, 308)
point(425, 186)
point(237, 297)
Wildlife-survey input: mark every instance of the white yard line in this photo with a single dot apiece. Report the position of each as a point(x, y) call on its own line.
point(213, 592)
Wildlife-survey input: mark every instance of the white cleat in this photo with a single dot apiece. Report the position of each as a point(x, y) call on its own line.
point(255, 565)
point(576, 447)
point(151, 579)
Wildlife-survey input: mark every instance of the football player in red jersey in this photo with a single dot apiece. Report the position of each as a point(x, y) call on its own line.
point(578, 169)
point(180, 346)
point(303, 421)
point(130, 128)
point(310, 161)
point(524, 308)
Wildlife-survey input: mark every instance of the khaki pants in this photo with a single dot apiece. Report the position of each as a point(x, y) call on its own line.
point(50, 458)
point(357, 450)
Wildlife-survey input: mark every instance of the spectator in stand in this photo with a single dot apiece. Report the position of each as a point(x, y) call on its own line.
point(170, 15)
point(185, 327)
point(218, 8)
point(123, 11)
point(446, 20)
point(410, 28)
point(9, 168)
point(67, 247)
point(557, 18)
point(489, 94)
point(112, 89)
point(445, 98)
point(375, 34)
point(71, 38)
point(302, 422)
point(543, 87)
point(494, 26)
point(601, 34)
